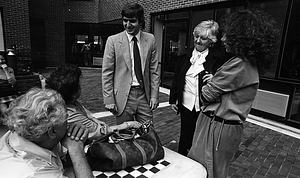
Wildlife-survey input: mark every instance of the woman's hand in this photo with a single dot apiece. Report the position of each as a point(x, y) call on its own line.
point(174, 107)
point(207, 78)
point(126, 125)
point(133, 124)
point(77, 131)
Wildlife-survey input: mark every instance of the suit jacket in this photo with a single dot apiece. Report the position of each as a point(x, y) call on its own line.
point(117, 69)
point(214, 60)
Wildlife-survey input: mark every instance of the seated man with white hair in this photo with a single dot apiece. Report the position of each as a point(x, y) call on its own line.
point(37, 123)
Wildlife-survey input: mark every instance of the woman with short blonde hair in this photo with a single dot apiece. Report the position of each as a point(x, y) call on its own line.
point(194, 68)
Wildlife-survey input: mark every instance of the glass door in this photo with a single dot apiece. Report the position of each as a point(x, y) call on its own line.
point(175, 43)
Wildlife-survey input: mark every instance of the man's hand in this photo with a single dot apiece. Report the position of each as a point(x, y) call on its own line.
point(72, 145)
point(78, 131)
point(111, 107)
point(75, 149)
point(153, 103)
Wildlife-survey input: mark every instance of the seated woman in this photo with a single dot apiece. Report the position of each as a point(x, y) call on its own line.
point(66, 80)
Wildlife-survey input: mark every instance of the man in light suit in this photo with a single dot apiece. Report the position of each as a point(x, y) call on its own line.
point(128, 95)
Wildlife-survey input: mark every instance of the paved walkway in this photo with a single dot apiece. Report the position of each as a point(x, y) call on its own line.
point(267, 149)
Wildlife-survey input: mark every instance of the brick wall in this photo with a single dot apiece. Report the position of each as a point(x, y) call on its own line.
point(53, 14)
point(16, 23)
point(57, 12)
point(80, 11)
point(111, 10)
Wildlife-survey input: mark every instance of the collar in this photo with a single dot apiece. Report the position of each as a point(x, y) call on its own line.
point(24, 148)
point(198, 57)
point(205, 52)
point(138, 36)
point(73, 107)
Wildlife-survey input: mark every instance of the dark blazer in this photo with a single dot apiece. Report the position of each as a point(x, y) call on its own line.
point(214, 60)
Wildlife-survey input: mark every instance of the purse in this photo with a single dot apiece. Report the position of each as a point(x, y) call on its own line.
point(125, 148)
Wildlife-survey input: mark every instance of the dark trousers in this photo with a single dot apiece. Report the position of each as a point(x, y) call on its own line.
point(188, 124)
point(87, 59)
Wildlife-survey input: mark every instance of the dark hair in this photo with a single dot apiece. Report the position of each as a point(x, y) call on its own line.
point(132, 10)
point(251, 35)
point(65, 80)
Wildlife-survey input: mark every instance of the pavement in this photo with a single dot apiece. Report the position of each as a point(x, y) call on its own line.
point(268, 149)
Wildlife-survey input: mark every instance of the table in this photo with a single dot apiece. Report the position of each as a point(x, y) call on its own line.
point(180, 167)
point(177, 166)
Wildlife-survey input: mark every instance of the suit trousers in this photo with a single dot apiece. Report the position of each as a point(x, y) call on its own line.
point(188, 124)
point(137, 107)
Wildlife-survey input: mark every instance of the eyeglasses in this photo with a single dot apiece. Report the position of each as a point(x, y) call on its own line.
point(130, 20)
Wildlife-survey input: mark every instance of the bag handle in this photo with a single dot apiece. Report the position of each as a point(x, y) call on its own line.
point(126, 134)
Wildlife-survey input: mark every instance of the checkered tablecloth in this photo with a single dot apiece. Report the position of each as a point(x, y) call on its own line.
point(6, 99)
point(143, 171)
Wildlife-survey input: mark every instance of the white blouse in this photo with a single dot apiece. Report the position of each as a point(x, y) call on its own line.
point(190, 93)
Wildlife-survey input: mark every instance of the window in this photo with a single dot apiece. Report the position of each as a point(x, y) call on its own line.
point(295, 109)
point(98, 45)
point(81, 38)
point(277, 9)
point(290, 66)
point(178, 15)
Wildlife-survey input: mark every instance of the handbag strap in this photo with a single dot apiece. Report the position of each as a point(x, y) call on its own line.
point(123, 155)
point(141, 150)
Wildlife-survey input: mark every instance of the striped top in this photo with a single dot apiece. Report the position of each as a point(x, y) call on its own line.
point(78, 113)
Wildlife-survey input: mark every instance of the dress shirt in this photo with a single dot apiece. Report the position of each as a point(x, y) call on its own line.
point(191, 88)
point(20, 158)
point(138, 37)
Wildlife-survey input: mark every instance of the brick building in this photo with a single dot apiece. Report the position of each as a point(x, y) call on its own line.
point(54, 25)
point(15, 24)
point(61, 20)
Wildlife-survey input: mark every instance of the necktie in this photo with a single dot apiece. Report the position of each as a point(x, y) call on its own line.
point(137, 62)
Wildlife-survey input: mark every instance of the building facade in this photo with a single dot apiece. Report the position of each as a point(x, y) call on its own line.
point(15, 27)
point(58, 29)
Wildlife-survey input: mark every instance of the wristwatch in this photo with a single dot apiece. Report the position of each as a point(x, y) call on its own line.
point(127, 125)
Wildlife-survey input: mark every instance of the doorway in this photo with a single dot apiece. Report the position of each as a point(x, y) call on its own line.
point(175, 38)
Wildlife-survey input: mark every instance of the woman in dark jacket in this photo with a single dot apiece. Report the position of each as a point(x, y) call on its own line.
point(192, 69)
